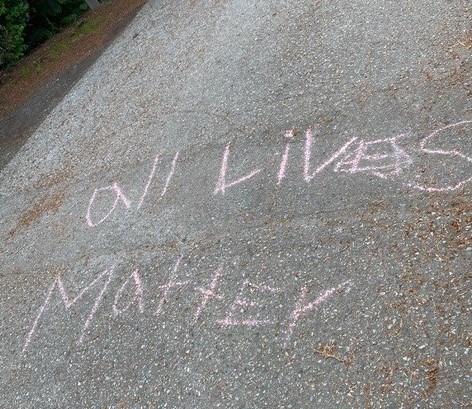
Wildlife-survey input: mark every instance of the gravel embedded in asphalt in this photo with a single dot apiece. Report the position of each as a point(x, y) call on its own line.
point(249, 204)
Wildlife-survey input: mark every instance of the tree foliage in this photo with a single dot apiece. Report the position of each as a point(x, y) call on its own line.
point(26, 23)
point(49, 16)
point(13, 20)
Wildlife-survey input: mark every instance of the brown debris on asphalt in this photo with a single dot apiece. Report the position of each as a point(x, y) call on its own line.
point(327, 351)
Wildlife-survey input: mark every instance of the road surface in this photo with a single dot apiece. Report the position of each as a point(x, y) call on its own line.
point(249, 204)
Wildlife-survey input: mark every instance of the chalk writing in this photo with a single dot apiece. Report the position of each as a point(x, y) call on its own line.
point(119, 195)
point(250, 296)
point(138, 295)
point(167, 287)
point(423, 146)
point(302, 307)
point(384, 165)
point(283, 164)
point(308, 143)
point(169, 177)
point(241, 301)
point(68, 303)
point(207, 294)
point(151, 176)
point(222, 185)
point(384, 158)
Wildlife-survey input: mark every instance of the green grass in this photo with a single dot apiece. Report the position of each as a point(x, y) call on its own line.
point(84, 28)
point(87, 27)
point(58, 47)
point(36, 67)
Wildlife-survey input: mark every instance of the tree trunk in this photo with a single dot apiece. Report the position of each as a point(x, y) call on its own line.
point(93, 4)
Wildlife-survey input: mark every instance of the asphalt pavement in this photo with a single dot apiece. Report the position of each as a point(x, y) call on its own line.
point(249, 204)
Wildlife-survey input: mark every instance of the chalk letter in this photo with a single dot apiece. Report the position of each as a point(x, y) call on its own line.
point(457, 154)
point(308, 143)
point(302, 306)
point(221, 186)
point(168, 286)
point(138, 295)
point(151, 176)
point(283, 164)
point(119, 196)
point(68, 302)
point(240, 301)
point(386, 164)
point(207, 294)
point(169, 176)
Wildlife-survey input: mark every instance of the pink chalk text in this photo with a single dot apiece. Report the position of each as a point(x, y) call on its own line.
point(68, 302)
point(244, 310)
point(222, 185)
point(384, 158)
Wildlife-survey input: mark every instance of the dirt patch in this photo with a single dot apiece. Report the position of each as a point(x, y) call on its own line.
point(43, 78)
point(432, 376)
point(328, 351)
point(48, 204)
point(466, 40)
